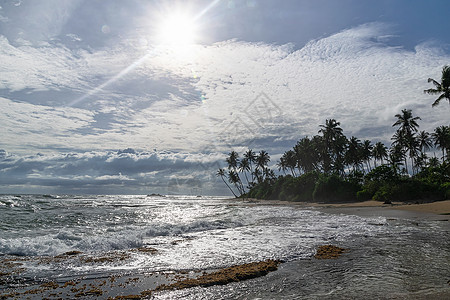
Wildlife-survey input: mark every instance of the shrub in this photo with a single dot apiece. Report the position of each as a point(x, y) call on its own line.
point(333, 188)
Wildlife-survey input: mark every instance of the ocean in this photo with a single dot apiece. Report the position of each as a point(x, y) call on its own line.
point(48, 242)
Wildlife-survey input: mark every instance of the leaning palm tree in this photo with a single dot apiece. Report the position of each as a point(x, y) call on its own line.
point(221, 173)
point(233, 162)
point(442, 88)
point(233, 178)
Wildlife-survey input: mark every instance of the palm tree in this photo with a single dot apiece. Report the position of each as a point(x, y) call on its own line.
point(291, 161)
point(441, 137)
point(405, 133)
point(339, 151)
point(306, 154)
point(406, 122)
point(366, 153)
point(251, 157)
point(442, 88)
point(262, 159)
point(244, 167)
point(424, 141)
point(233, 161)
point(433, 162)
point(396, 155)
point(282, 165)
point(330, 134)
point(233, 178)
point(421, 161)
point(221, 173)
point(353, 154)
point(379, 152)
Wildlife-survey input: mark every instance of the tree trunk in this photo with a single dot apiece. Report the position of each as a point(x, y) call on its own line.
point(228, 186)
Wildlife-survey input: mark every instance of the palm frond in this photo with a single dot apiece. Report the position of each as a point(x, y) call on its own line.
point(432, 91)
point(436, 102)
point(437, 84)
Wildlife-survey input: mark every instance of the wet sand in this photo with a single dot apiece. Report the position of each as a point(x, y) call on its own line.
point(439, 210)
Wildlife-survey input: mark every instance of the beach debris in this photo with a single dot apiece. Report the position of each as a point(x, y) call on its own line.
point(329, 251)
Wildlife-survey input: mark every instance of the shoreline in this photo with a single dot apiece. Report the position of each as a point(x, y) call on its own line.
point(438, 210)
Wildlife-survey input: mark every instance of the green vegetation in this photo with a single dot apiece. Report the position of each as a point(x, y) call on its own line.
point(330, 167)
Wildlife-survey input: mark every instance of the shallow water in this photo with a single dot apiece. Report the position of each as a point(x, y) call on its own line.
point(387, 258)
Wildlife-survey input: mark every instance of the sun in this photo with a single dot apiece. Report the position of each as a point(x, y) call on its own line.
point(177, 29)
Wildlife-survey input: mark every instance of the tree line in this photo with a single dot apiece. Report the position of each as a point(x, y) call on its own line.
point(349, 161)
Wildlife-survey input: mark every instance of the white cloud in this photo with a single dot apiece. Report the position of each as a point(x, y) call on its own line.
point(210, 99)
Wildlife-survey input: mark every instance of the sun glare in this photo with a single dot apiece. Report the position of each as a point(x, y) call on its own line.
point(177, 30)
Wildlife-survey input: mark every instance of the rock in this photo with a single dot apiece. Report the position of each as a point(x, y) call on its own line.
point(329, 251)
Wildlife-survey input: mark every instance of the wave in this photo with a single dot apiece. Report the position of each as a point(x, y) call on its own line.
point(121, 239)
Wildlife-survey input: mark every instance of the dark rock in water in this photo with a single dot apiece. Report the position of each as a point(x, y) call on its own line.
point(71, 253)
point(225, 276)
point(146, 250)
point(329, 251)
point(156, 195)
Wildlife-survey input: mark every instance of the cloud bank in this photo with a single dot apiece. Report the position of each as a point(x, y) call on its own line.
point(77, 107)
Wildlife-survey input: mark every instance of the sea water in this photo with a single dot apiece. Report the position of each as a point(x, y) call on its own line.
point(387, 258)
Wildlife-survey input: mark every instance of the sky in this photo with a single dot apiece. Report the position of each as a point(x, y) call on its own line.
point(140, 97)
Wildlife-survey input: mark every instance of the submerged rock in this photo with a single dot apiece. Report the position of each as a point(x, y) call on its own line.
point(329, 251)
point(225, 276)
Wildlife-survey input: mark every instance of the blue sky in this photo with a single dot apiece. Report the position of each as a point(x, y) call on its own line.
point(94, 101)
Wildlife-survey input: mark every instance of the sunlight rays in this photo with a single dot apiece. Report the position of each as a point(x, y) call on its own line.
point(176, 33)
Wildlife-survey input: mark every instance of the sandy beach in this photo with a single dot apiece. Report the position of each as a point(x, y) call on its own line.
point(435, 210)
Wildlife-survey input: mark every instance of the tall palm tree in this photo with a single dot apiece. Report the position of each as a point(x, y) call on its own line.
point(406, 122)
point(262, 159)
point(396, 155)
point(251, 157)
point(424, 140)
point(353, 154)
point(421, 161)
point(244, 167)
point(366, 153)
point(282, 165)
point(379, 152)
point(441, 137)
point(233, 162)
point(442, 88)
point(331, 132)
point(306, 154)
point(404, 136)
point(221, 173)
point(291, 161)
